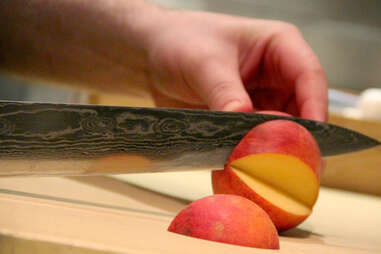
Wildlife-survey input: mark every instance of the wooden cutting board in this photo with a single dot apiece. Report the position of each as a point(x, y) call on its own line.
point(107, 215)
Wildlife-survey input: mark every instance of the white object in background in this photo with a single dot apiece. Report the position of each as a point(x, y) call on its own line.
point(353, 113)
point(343, 103)
point(369, 104)
point(341, 99)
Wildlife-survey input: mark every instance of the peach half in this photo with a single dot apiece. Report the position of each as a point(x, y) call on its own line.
point(227, 219)
point(276, 165)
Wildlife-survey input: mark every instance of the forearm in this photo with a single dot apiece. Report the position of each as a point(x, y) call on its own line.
point(95, 43)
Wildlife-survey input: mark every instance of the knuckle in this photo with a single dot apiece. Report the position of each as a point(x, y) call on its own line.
point(221, 92)
point(286, 27)
point(201, 63)
point(316, 70)
point(319, 71)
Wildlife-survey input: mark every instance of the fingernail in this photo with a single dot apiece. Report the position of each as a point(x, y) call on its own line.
point(232, 106)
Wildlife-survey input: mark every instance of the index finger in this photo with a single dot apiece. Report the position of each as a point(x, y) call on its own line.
point(299, 64)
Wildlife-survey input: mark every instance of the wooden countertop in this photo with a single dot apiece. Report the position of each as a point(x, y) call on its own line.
point(105, 215)
point(360, 171)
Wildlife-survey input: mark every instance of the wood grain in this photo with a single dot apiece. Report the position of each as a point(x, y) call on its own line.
point(15, 245)
point(360, 171)
point(89, 216)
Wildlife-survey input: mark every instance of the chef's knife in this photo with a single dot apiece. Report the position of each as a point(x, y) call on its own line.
point(67, 139)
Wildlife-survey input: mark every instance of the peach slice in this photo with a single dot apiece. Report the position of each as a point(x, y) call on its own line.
point(228, 219)
point(276, 165)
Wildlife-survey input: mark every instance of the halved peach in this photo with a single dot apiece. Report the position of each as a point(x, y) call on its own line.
point(276, 165)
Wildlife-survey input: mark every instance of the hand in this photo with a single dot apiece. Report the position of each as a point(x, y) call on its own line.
point(204, 60)
point(187, 59)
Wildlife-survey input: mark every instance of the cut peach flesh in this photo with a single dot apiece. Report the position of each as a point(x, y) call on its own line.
point(283, 180)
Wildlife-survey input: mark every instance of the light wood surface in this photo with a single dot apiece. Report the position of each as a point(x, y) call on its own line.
point(15, 245)
point(105, 214)
point(360, 171)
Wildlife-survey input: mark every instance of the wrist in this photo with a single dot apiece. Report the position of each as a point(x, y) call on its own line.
point(132, 21)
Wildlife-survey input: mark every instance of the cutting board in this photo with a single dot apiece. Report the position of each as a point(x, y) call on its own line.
point(113, 216)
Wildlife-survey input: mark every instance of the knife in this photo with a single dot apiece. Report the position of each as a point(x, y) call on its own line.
point(72, 139)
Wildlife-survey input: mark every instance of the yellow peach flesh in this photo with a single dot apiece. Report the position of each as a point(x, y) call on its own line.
point(283, 180)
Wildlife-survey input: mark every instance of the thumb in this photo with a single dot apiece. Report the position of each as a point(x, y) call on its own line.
point(221, 87)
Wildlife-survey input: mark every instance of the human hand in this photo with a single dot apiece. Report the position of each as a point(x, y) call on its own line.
point(187, 59)
point(205, 60)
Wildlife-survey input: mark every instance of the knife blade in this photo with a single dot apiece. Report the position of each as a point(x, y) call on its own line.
point(73, 139)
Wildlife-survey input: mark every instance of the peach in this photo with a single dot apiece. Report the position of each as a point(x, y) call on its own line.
point(277, 166)
point(228, 219)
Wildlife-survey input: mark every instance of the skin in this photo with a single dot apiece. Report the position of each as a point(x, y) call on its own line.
point(185, 58)
point(276, 137)
point(227, 219)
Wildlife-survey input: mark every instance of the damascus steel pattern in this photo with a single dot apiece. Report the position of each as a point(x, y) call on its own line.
point(65, 131)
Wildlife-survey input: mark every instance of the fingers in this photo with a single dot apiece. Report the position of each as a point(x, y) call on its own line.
point(312, 96)
point(220, 86)
point(164, 101)
point(299, 65)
